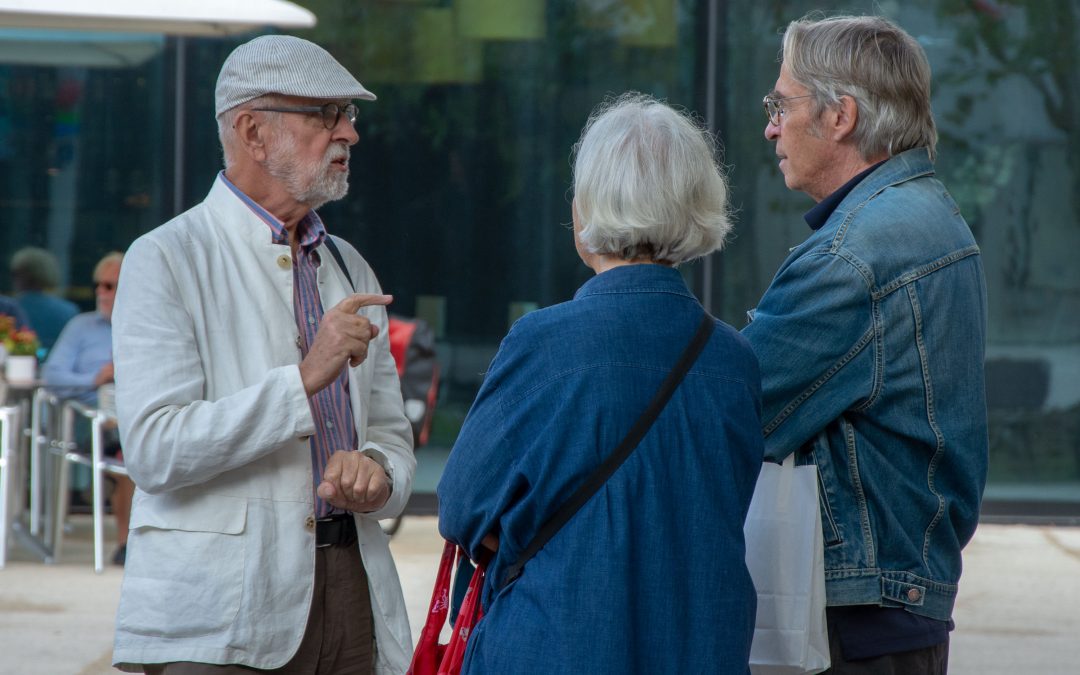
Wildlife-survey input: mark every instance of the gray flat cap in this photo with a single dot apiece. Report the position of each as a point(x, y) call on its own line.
point(283, 64)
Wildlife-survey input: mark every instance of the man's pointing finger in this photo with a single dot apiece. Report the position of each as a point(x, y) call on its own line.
point(354, 302)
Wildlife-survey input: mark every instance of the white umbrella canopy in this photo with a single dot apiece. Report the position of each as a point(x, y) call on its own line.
point(58, 48)
point(171, 17)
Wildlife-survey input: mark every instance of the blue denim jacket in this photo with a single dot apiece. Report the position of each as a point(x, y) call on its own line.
point(650, 575)
point(871, 339)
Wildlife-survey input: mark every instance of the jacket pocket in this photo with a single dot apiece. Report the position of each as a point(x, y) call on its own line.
point(185, 569)
point(829, 531)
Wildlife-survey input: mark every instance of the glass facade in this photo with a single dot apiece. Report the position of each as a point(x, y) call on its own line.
point(460, 182)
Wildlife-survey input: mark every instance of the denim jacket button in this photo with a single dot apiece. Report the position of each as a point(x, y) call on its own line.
point(913, 595)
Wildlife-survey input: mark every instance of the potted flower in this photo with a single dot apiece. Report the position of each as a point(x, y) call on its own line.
point(21, 346)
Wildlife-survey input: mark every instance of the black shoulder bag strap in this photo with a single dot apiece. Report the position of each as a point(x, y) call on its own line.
point(625, 448)
point(329, 241)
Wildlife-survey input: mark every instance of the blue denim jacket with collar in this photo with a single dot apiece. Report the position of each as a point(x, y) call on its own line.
point(871, 339)
point(650, 575)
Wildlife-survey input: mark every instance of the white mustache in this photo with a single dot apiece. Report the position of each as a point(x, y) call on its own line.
point(334, 154)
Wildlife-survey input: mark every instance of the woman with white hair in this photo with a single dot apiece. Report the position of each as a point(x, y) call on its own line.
point(649, 575)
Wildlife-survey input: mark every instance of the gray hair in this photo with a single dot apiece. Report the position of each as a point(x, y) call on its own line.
point(110, 258)
point(646, 183)
point(226, 123)
point(872, 60)
point(35, 269)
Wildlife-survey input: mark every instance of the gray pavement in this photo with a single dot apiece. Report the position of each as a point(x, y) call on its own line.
point(1017, 612)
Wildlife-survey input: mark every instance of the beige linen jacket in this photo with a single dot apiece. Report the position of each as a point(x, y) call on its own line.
point(214, 424)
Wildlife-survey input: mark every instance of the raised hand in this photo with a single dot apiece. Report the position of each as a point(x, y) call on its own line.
point(343, 337)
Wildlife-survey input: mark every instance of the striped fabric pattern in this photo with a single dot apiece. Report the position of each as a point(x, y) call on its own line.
point(283, 64)
point(331, 407)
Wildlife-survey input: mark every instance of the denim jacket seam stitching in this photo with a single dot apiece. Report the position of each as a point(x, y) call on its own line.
point(851, 572)
point(794, 404)
point(909, 577)
point(860, 493)
point(635, 290)
point(825, 503)
point(861, 268)
point(931, 417)
point(878, 374)
point(925, 270)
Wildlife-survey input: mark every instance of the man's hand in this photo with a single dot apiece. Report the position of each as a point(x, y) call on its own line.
point(105, 375)
point(343, 337)
point(354, 482)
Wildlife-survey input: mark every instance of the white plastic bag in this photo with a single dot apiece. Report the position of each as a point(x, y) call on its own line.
point(785, 554)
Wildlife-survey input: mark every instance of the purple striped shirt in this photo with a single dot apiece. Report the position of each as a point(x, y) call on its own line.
point(330, 407)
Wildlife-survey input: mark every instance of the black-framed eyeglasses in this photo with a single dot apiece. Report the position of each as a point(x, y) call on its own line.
point(774, 107)
point(330, 112)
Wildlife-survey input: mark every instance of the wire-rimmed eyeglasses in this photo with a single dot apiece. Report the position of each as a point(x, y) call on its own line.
point(774, 107)
point(330, 112)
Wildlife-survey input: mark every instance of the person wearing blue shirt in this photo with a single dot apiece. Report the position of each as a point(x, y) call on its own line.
point(81, 362)
point(871, 339)
point(35, 275)
point(8, 307)
point(649, 576)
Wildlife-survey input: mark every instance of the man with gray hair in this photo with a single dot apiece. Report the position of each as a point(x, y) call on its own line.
point(258, 401)
point(871, 339)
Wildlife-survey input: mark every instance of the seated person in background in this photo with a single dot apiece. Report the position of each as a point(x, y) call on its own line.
point(80, 362)
point(36, 276)
point(9, 307)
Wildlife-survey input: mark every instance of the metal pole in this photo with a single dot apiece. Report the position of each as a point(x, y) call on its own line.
point(711, 45)
point(8, 421)
point(98, 478)
point(55, 534)
point(37, 439)
point(178, 128)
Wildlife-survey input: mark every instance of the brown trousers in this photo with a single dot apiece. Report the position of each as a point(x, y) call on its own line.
point(339, 638)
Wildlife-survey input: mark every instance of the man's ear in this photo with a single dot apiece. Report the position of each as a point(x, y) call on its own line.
point(843, 117)
point(250, 135)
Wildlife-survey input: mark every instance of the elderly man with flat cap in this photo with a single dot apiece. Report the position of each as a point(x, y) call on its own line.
point(259, 405)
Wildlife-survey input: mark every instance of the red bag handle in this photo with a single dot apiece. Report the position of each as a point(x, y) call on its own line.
point(470, 613)
point(430, 657)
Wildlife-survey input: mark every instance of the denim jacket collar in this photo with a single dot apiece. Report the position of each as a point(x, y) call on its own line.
point(899, 169)
point(636, 279)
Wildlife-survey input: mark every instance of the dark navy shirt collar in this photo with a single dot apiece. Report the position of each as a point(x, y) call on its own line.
point(819, 215)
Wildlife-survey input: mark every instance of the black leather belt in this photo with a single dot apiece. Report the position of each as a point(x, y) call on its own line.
point(337, 530)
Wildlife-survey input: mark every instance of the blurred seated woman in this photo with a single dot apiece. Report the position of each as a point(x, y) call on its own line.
point(649, 576)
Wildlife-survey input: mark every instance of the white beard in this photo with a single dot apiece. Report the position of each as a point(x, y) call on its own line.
point(313, 184)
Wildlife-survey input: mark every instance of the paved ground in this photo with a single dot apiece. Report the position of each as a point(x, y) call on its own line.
point(1017, 612)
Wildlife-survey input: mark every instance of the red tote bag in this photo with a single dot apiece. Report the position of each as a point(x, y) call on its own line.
point(430, 657)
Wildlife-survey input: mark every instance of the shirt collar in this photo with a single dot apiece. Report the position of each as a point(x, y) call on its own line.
point(310, 229)
point(819, 215)
point(637, 278)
